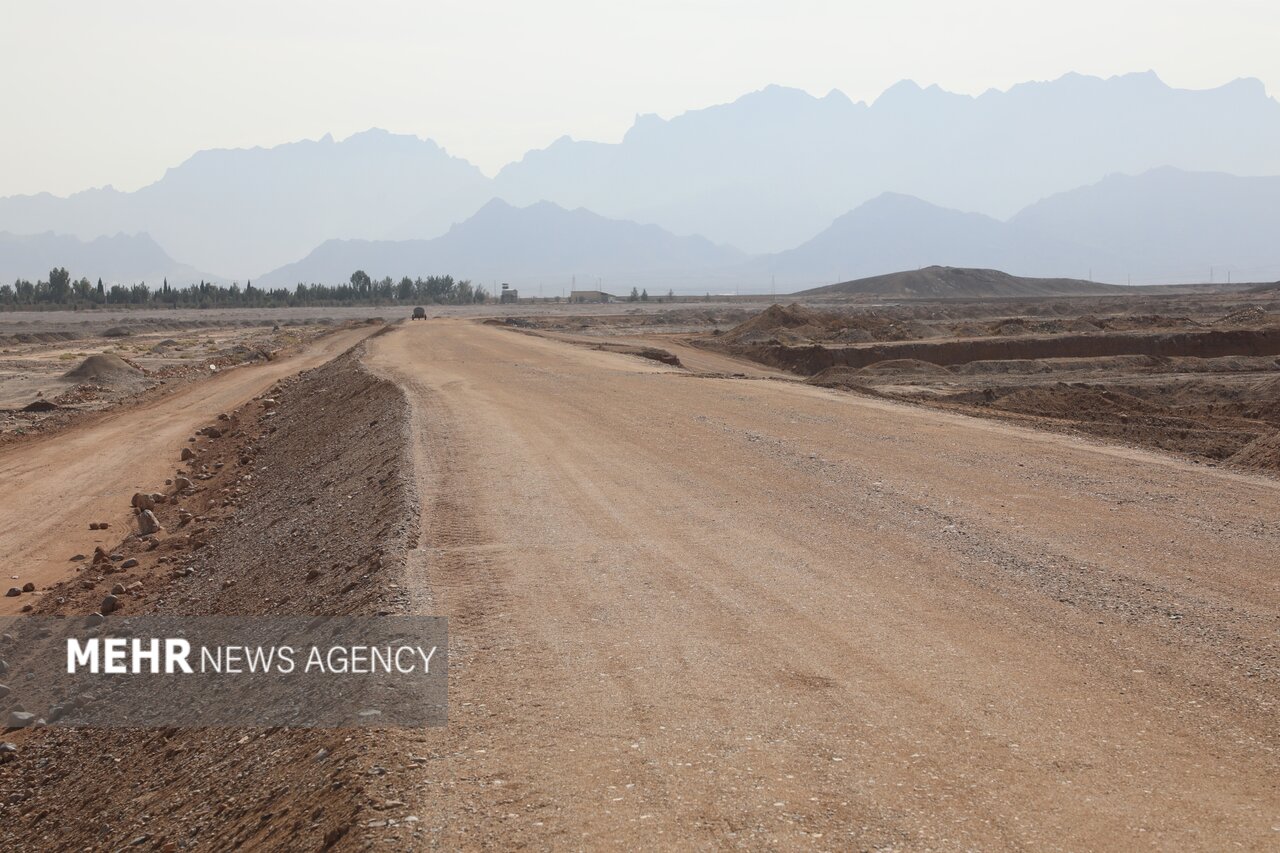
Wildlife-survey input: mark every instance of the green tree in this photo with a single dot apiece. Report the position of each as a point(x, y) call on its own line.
point(635, 295)
point(59, 284)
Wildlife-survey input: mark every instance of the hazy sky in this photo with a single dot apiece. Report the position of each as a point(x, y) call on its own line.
point(114, 93)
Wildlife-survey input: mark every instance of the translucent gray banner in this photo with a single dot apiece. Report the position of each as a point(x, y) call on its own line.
point(188, 671)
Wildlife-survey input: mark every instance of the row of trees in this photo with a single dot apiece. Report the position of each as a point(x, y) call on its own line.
point(61, 292)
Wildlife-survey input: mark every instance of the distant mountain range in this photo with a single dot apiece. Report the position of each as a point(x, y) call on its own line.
point(772, 168)
point(895, 232)
point(1167, 225)
point(1163, 226)
point(123, 257)
point(540, 243)
point(1122, 177)
point(239, 212)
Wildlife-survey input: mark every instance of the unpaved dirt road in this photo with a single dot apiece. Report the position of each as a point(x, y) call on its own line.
point(55, 486)
point(696, 612)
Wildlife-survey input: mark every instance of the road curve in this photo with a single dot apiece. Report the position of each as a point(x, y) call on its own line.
point(705, 612)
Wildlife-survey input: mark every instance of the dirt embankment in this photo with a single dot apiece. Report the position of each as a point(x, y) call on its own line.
point(809, 360)
point(1201, 387)
point(300, 503)
point(1219, 410)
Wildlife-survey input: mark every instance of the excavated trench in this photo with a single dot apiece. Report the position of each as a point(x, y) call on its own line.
point(812, 359)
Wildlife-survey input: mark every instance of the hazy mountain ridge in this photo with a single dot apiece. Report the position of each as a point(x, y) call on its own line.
point(125, 258)
point(1165, 226)
point(836, 186)
point(775, 166)
point(895, 232)
point(1168, 223)
point(239, 211)
point(518, 245)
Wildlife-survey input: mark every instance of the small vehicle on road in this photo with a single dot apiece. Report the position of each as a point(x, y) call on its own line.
point(419, 313)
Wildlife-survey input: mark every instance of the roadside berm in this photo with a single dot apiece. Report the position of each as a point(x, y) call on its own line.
point(296, 504)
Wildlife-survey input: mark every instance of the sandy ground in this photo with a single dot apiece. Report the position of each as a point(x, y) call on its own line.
point(56, 485)
point(690, 612)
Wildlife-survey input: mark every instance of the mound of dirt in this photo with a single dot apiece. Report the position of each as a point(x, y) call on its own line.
point(1249, 315)
point(1082, 325)
point(1262, 454)
point(948, 282)
point(105, 369)
point(852, 336)
point(651, 353)
point(911, 366)
point(1073, 402)
point(796, 325)
point(776, 318)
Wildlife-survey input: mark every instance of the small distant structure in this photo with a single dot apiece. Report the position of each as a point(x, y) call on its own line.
point(591, 296)
point(508, 294)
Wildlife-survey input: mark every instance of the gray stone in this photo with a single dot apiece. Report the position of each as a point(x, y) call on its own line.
point(21, 719)
point(148, 523)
